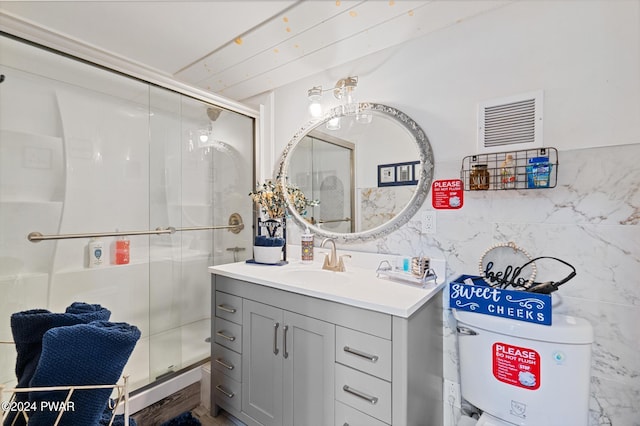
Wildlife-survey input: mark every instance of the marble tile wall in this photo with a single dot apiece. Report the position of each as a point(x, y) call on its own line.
point(591, 219)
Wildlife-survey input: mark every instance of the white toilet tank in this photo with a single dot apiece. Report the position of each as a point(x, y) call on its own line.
point(523, 373)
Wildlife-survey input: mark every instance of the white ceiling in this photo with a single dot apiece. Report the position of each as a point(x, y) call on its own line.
point(240, 49)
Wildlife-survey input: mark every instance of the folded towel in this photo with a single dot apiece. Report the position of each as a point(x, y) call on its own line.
point(28, 327)
point(184, 419)
point(264, 241)
point(82, 354)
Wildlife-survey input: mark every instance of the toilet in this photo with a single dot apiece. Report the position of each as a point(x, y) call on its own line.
point(527, 374)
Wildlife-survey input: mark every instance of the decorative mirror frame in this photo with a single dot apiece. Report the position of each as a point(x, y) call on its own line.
point(422, 188)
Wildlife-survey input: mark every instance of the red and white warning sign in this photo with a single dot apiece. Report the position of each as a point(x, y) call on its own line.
point(447, 194)
point(516, 366)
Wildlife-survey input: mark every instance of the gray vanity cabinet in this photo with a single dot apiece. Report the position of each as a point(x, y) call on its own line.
point(282, 358)
point(288, 367)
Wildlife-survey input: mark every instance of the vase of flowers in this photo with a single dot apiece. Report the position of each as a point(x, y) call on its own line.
point(272, 200)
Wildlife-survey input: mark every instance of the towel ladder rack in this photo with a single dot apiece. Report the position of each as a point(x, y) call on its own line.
point(122, 398)
point(235, 225)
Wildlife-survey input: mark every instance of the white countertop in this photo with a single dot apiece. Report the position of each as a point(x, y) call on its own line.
point(358, 286)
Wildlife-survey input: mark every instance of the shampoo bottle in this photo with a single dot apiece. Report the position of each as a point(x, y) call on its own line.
point(96, 253)
point(122, 251)
point(307, 246)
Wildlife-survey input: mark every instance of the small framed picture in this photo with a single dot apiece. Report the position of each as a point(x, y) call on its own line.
point(397, 174)
point(386, 174)
point(404, 173)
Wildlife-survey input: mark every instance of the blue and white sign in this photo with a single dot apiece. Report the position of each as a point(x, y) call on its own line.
point(484, 299)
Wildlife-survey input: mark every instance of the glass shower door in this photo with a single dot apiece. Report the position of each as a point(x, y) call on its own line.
point(85, 151)
point(199, 156)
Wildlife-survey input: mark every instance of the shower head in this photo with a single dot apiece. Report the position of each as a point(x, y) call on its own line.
point(213, 113)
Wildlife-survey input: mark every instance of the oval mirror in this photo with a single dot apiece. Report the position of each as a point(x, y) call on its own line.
point(369, 166)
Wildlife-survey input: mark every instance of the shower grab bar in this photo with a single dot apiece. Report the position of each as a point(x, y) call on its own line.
point(36, 237)
point(346, 219)
point(235, 225)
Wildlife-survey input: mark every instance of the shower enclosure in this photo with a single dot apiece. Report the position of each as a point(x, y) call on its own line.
point(86, 151)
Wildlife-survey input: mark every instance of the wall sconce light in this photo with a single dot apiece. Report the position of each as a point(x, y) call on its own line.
point(344, 91)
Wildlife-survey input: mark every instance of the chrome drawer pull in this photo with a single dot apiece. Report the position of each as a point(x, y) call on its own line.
point(372, 399)
point(275, 338)
point(285, 354)
point(225, 308)
point(224, 336)
point(224, 364)
point(226, 393)
point(372, 358)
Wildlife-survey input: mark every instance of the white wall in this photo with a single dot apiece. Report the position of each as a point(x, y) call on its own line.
point(585, 56)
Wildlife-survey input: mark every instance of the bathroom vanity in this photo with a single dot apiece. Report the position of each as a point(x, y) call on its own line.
point(299, 345)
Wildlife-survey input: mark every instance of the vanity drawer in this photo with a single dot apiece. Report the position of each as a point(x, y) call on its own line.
point(347, 416)
point(364, 352)
point(226, 391)
point(228, 334)
point(363, 392)
point(227, 362)
point(229, 307)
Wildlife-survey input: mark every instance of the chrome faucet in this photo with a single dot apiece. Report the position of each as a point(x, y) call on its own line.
point(331, 261)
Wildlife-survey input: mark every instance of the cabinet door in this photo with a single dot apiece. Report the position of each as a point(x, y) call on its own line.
point(262, 363)
point(309, 355)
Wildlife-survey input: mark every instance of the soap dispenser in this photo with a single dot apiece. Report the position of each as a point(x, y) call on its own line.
point(307, 246)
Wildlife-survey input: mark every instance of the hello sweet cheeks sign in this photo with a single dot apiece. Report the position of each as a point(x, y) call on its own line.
point(483, 299)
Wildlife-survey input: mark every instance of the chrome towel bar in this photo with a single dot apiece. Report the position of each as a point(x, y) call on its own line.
point(235, 225)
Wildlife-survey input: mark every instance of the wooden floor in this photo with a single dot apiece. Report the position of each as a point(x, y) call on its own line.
point(187, 399)
point(205, 418)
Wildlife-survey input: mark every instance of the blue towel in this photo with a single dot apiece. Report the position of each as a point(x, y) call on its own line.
point(82, 354)
point(28, 327)
point(117, 421)
point(184, 419)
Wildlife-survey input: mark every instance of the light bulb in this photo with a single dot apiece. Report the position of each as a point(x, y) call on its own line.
point(204, 137)
point(315, 109)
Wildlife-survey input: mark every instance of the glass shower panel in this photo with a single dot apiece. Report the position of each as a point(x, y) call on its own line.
point(323, 170)
point(74, 160)
point(333, 169)
point(84, 150)
point(201, 157)
point(165, 195)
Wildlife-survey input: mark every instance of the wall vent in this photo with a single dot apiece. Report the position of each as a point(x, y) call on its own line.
point(513, 122)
